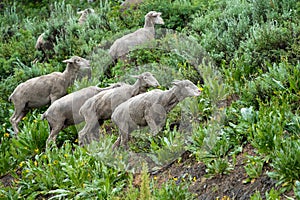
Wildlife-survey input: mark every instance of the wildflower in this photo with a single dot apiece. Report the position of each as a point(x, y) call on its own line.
point(21, 164)
point(76, 141)
point(45, 156)
point(6, 134)
point(89, 175)
point(66, 155)
point(155, 177)
point(201, 89)
point(27, 171)
point(225, 198)
point(36, 150)
point(35, 121)
point(194, 179)
point(55, 162)
point(35, 163)
point(24, 118)
point(175, 178)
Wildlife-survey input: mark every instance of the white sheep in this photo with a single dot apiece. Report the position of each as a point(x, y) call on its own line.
point(150, 109)
point(84, 14)
point(141, 36)
point(130, 4)
point(42, 90)
point(64, 112)
point(100, 107)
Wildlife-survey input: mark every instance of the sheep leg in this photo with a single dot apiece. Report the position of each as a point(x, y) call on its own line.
point(90, 128)
point(117, 143)
point(53, 133)
point(155, 119)
point(123, 136)
point(17, 116)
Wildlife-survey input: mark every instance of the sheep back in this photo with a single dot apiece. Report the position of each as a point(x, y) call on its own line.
point(36, 91)
point(124, 44)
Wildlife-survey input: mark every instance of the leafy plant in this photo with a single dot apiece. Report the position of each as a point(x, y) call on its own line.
point(285, 161)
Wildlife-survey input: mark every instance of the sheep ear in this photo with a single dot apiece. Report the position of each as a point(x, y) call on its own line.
point(176, 82)
point(135, 76)
point(68, 61)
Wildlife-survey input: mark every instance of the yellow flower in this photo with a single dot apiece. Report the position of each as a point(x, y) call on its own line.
point(225, 198)
point(6, 134)
point(36, 150)
point(21, 164)
point(55, 162)
point(175, 178)
point(155, 177)
point(35, 163)
point(45, 156)
point(35, 121)
point(194, 179)
point(76, 141)
point(27, 170)
point(201, 89)
point(66, 155)
point(89, 175)
point(24, 118)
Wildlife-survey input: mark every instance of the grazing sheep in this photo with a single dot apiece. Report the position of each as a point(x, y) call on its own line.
point(150, 109)
point(64, 112)
point(100, 107)
point(130, 4)
point(42, 90)
point(46, 44)
point(143, 35)
point(84, 14)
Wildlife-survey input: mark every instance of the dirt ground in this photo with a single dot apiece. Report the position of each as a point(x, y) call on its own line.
point(223, 187)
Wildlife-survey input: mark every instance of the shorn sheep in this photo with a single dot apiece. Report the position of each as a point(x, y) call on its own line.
point(141, 36)
point(45, 43)
point(42, 90)
point(101, 106)
point(150, 109)
point(64, 112)
point(84, 14)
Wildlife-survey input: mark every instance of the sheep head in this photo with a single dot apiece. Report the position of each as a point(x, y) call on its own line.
point(186, 88)
point(152, 18)
point(86, 11)
point(147, 80)
point(81, 63)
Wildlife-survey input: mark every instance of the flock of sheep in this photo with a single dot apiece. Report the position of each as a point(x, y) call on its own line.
point(129, 106)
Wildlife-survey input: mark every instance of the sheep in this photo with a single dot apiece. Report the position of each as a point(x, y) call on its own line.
point(130, 4)
point(64, 112)
point(84, 14)
point(141, 36)
point(150, 109)
point(42, 90)
point(100, 107)
point(46, 44)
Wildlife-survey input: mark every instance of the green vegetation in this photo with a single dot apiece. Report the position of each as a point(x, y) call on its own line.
point(243, 54)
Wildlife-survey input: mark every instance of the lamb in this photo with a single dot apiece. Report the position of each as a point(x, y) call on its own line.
point(100, 107)
point(64, 112)
point(141, 36)
point(46, 44)
point(42, 90)
point(84, 14)
point(150, 109)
